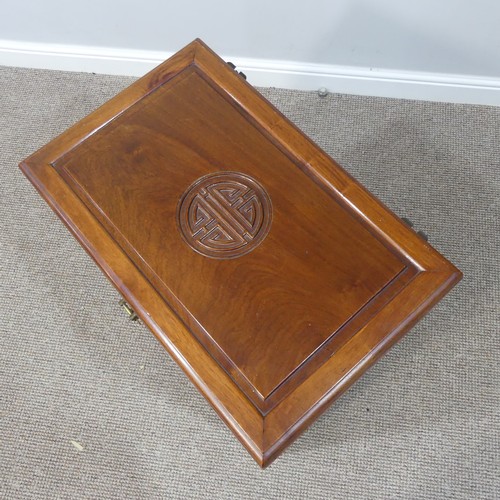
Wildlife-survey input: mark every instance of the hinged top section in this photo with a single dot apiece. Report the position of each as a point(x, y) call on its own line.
point(271, 276)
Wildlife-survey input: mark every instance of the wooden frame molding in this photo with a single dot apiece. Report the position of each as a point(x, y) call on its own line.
point(266, 404)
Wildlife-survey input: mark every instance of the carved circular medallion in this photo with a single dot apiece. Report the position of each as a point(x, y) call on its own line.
point(224, 215)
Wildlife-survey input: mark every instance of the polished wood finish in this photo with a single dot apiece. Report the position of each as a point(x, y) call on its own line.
point(270, 275)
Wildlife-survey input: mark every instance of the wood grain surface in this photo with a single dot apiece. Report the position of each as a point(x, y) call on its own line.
point(278, 282)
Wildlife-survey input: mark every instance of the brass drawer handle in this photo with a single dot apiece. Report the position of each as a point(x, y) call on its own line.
point(128, 309)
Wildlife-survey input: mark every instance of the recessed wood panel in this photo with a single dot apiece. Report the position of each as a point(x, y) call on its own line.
point(261, 314)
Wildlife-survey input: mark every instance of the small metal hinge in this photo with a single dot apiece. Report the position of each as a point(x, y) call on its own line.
point(233, 66)
point(423, 235)
point(128, 309)
point(409, 223)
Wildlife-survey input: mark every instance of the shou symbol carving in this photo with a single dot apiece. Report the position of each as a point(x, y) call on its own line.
point(224, 215)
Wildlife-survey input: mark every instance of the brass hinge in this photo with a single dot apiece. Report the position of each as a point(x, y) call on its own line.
point(409, 223)
point(128, 309)
point(233, 66)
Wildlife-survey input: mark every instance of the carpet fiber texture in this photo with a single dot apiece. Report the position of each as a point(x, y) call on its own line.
point(91, 406)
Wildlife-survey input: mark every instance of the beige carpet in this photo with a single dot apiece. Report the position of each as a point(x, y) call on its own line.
point(423, 423)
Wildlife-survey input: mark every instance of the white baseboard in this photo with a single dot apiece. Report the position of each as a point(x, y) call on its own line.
point(264, 73)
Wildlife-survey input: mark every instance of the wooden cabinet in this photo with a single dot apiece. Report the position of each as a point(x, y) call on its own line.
point(269, 274)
